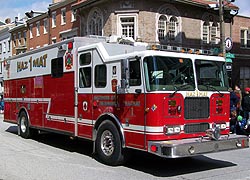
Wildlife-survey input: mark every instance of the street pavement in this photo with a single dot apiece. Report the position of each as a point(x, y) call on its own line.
point(57, 157)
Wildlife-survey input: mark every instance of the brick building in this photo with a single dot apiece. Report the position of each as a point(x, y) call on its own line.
point(241, 50)
point(57, 24)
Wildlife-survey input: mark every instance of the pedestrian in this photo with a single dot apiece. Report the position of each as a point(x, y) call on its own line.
point(238, 93)
point(234, 99)
point(246, 103)
point(1, 104)
point(233, 109)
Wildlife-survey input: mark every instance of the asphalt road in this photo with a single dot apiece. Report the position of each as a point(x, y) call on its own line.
point(56, 157)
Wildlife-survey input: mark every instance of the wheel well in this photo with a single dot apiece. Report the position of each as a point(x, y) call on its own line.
point(19, 113)
point(115, 121)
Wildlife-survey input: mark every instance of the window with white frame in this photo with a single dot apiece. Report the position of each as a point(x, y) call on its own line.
point(38, 28)
point(95, 22)
point(45, 26)
point(1, 49)
point(63, 16)
point(73, 15)
point(53, 19)
point(245, 38)
point(210, 32)
point(128, 26)
point(19, 37)
point(4, 47)
point(53, 40)
point(31, 33)
point(162, 23)
point(24, 37)
point(168, 28)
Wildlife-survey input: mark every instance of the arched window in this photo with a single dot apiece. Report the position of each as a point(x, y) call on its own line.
point(205, 37)
point(168, 24)
point(172, 28)
point(210, 31)
point(95, 22)
point(162, 28)
point(214, 38)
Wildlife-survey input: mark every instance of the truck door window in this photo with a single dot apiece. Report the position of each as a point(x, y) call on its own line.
point(135, 73)
point(85, 77)
point(57, 67)
point(85, 70)
point(100, 76)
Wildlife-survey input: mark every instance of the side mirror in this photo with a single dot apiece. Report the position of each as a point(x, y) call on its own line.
point(125, 73)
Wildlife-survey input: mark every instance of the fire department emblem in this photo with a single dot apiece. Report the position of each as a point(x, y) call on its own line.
point(68, 61)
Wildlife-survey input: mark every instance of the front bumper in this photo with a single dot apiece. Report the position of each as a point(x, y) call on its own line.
point(197, 146)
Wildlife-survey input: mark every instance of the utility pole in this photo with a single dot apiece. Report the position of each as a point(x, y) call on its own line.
point(222, 28)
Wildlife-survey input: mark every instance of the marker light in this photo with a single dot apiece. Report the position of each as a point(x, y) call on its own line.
point(70, 45)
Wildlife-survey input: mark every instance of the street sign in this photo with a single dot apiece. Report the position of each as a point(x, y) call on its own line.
point(228, 43)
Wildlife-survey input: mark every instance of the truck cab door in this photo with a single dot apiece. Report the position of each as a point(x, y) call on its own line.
point(85, 94)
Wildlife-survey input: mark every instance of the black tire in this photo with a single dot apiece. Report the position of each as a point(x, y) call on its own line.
point(108, 144)
point(23, 126)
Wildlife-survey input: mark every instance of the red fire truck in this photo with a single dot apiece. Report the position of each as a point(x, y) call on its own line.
point(120, 96)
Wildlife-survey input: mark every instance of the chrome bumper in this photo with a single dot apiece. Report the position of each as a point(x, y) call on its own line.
point(197, 146)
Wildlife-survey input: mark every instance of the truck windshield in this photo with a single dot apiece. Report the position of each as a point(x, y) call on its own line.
point(168, 73)
point(211, 75)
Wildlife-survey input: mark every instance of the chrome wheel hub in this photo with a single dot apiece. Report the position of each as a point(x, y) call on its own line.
point(107, 143)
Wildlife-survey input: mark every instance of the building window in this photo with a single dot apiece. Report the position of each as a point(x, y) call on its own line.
point(19, 38)
point(128, 26)
point(24, 37)
point(245, 38)
point(53, 19)
point(162, 26)
point(53, 40)
point(1, 48)
point(210, 30)
point(4, 47)
point(167, 28)
point(63, 16)
point(95, 22)
point(45, 26)
point(31, 34)
point(245, 76)
point(73, 15)
point(38, 29)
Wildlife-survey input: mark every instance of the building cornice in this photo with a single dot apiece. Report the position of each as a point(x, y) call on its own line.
point(55, 6)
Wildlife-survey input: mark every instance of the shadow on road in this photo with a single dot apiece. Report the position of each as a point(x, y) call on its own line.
point(139, 161)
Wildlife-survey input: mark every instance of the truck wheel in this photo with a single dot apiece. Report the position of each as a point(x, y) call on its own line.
point(108, 144)
point(23, 126)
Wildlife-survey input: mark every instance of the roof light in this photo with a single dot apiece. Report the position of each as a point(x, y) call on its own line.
point(70, 45)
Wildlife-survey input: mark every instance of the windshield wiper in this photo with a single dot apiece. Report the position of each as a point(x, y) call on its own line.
point(213, 88)
point(182, 87)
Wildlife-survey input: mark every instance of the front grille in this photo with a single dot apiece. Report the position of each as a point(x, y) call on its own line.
point(196, 128)
point(196, 108)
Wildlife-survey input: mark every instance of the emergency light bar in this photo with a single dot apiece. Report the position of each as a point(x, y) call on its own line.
point(179, 49)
